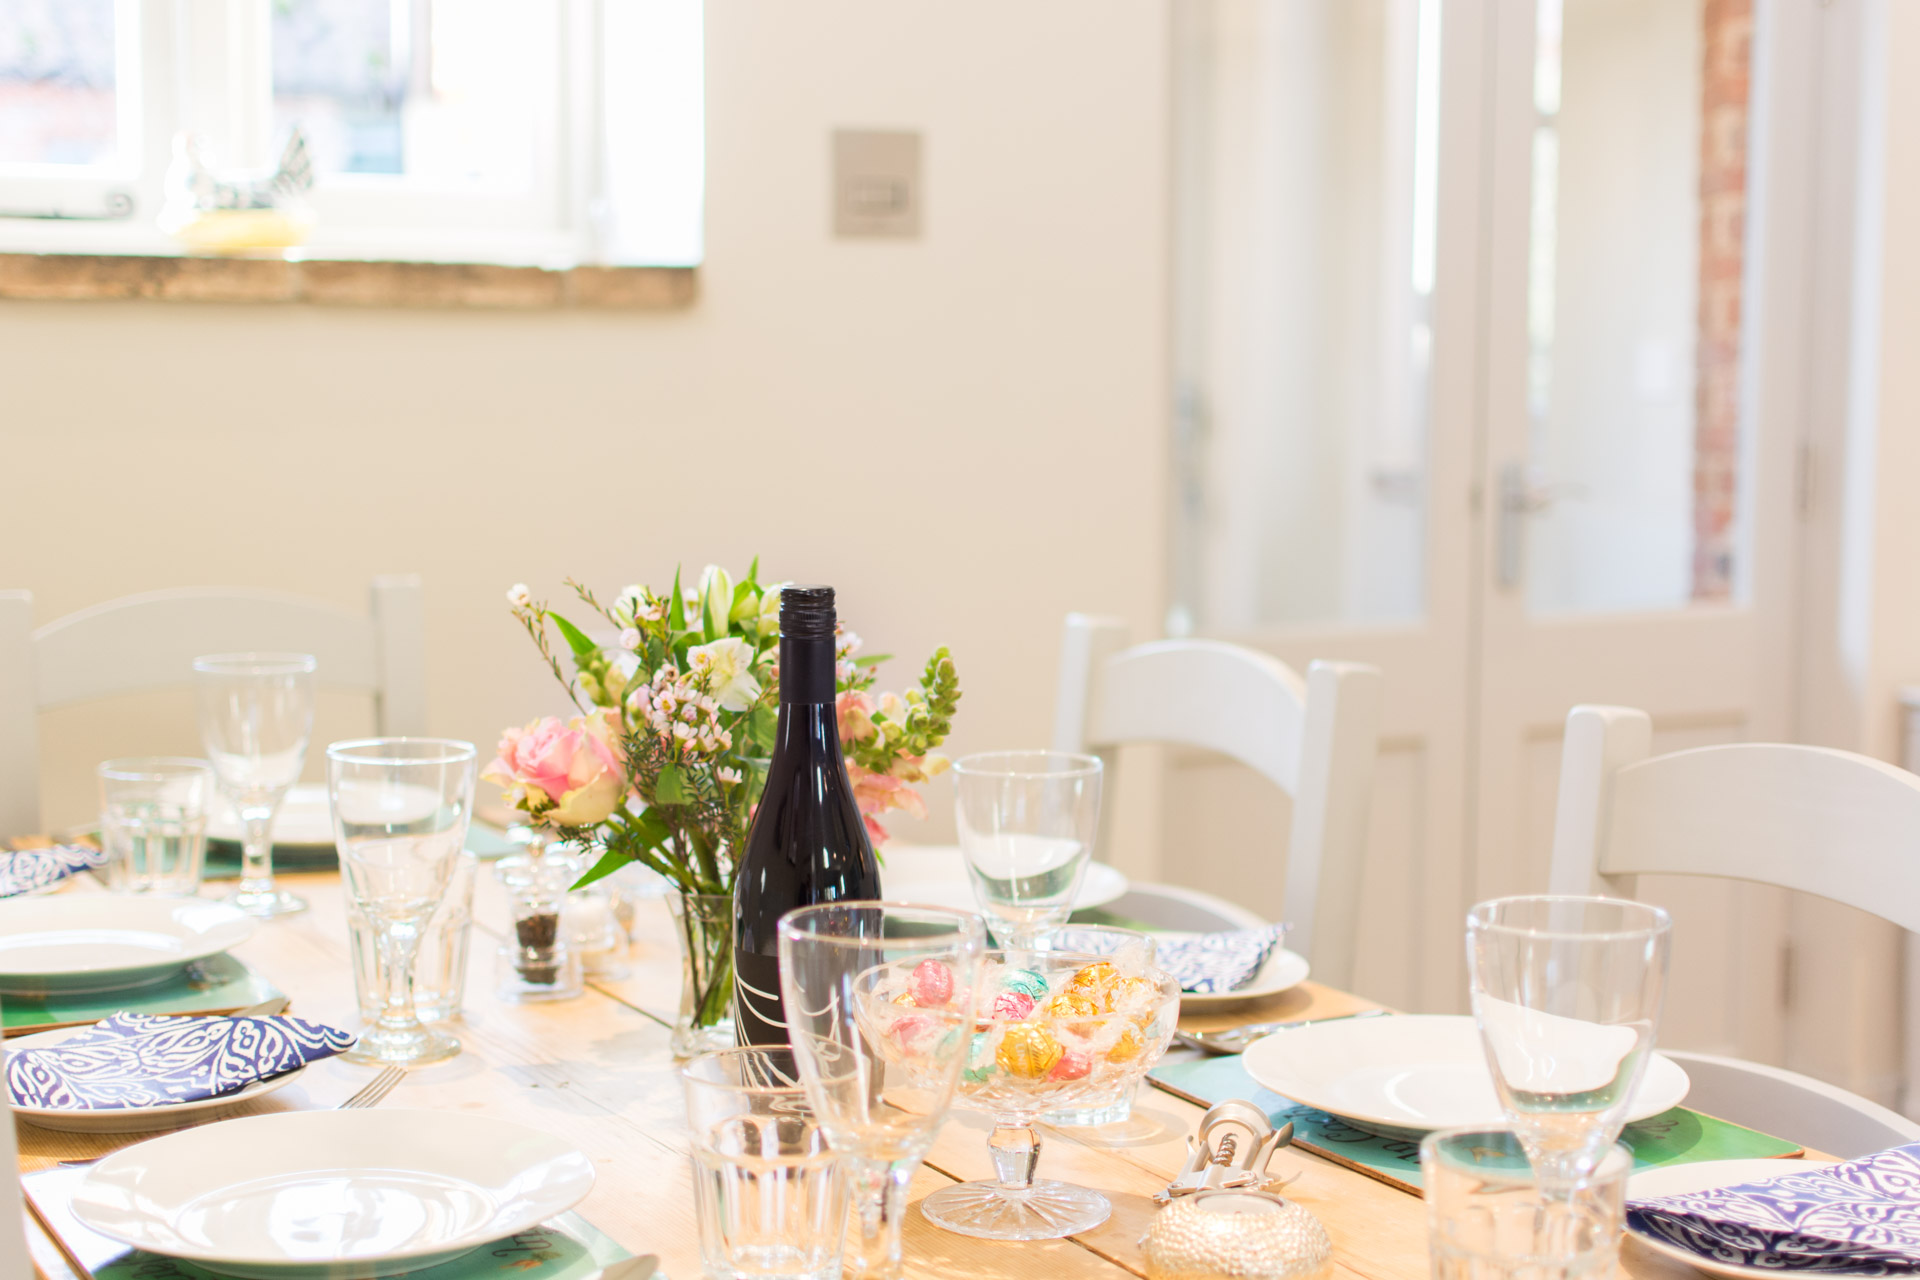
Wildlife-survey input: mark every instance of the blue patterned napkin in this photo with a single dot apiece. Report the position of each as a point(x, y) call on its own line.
point(1861, 1217)
point(25, 870)
point(1216, 963)
point(137, 1060)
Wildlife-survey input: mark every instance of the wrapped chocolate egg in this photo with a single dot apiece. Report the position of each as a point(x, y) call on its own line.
point(1129, 1046)
point(1028, 1050)
point(1131, 995)
point(1025, 981)
point(931, 983)
point(1071, 1004)
point(911, 1028)
point(905, 998)
point(1093, 978)
point(1013, 1005)
point(1073, 1065)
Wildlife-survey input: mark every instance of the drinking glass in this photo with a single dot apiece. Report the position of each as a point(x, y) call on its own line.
point(153, 823)
point(1567, 994)
point(1132, 951)
point(256, 712)
point(880, 1081)
point(400, 810)
point(1488, 1218)
point(769, 1194)
point(1027, 822)
point(440, 962)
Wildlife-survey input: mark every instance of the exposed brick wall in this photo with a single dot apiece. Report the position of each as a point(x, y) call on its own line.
point(1725, 88)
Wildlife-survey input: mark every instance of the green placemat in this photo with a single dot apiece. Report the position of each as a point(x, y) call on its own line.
point(1678, 1136)
point(218, 984)
point(223, 856)
point(566, 1248)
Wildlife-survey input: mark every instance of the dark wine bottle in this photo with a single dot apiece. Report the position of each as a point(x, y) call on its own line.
point(807, 844)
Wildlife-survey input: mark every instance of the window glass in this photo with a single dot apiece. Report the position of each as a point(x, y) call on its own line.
point(58, 103)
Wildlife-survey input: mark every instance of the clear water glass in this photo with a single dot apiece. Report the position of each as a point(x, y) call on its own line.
point(1027, 822)
point(440, 968)
point(881, 1093)
point(400, 812)
point(1133, 951)
point(256, 714)
point(153, 823)
point(768, 1190)
point(1567, 993)
point(1489, 1219)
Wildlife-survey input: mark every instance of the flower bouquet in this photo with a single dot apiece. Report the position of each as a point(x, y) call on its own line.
point(668, 757)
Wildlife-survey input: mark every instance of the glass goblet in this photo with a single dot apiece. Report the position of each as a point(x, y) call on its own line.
point(1567, 994)
point(256, 713)
point(1059, 1029)
point(400, 811)
point(879, 1073)
point(1027, 822)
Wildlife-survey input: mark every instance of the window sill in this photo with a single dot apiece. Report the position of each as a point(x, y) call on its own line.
point(343, 282)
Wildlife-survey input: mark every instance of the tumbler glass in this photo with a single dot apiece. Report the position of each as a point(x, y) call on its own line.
point(256, 713)
point(768, 1191)
point(1489, 1219)
point(153, 823)
point(400, 811)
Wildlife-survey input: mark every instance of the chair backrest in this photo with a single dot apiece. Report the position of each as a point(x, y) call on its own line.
point(1315, 738)
point(1827, 822)
point(1792, 1106)
point(149, 641)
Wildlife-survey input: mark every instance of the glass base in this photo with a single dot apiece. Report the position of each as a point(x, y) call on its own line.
point(689, 1040)
point(266, 903)
point(411, 1048)
point(1110, 1111)
point(992, 1211)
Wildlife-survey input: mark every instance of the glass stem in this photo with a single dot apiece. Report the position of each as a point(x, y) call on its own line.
point(256, 851)
point(1015, 1149)
point(397, 944)
point(880, 1205)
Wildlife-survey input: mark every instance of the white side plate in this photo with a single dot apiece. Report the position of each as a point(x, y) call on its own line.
point(296, 1196)
point(1284, 969)
point(133, 1119)
point(1410, 1073)
point(303, 818)
point(936, 876)
point(80, 942)
point(1705, 1175)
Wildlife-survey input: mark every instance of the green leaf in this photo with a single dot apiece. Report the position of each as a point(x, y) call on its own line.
point(762, 723)
point(610, 861)
point(753, 573)
point(676, 607)
point(576, 638)
point(670, 787)
point(873, 660)
point(651, 828)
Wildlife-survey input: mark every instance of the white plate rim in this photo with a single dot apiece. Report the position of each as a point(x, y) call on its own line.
point(530, 1216)
point(1738, 1171)
point(1095, 890)
point(1283, 971)
point(224, 826)
point(103, 1121)
point(231, 927)
point(1254, 1063)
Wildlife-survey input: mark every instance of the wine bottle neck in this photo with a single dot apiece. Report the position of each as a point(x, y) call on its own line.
point(806, 670)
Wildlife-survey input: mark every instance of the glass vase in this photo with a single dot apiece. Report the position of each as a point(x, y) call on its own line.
point(704, 924)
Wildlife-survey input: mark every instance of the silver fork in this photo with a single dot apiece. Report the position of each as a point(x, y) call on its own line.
point(369, 1095)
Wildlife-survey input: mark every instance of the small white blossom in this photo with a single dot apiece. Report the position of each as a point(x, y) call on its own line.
point(727, 776)
point(518, 596)
point(630, 638)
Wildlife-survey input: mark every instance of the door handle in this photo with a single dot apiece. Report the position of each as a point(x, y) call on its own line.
point(1523, 493)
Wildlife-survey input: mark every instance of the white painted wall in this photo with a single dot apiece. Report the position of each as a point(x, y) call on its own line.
point(965, 435)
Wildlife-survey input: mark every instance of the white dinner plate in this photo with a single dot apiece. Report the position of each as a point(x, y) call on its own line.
point(302, 819)
point(311, 1194)
point(80, 942)
point(1283, 969)
point(1410, 1073)
point(1705, 1175)
point(170, 1115)
point(936, 876)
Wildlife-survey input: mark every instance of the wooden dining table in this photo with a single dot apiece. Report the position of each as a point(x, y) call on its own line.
point(597, 1071)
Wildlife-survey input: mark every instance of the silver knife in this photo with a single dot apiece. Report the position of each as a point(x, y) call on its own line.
point(1236, 1039)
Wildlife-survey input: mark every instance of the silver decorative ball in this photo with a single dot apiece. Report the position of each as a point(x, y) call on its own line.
point(1250, 1234)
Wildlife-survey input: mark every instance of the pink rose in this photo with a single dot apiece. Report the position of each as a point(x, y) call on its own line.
point(879, 793)
point(564, 774)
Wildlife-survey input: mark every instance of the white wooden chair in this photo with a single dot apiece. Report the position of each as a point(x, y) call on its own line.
point(149, 641)
point(1315, 738)
point(1832, 823)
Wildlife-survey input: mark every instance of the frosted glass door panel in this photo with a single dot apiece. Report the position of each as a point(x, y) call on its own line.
point(1638, 190)
point(1307, 160)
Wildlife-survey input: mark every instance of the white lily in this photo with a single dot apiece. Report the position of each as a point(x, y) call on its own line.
point(728, 666)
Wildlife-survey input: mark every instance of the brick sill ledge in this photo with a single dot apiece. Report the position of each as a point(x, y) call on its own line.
point(342, 282)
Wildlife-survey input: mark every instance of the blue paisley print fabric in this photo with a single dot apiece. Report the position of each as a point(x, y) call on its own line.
point(1215, 963)
point(138, 1060)
point(1861, 1218)
point(25, 870)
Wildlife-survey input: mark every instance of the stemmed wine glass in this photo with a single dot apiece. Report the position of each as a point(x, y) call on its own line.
point(1567, 993)
point(1027, 822)
point(400, 810)
point(256, 713)
point(879, 1072)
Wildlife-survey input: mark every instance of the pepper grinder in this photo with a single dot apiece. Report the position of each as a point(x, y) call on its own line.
point(539, 961)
